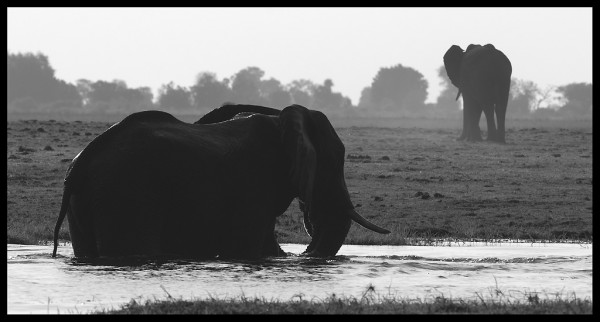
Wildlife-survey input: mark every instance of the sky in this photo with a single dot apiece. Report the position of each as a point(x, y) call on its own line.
point(154, 46)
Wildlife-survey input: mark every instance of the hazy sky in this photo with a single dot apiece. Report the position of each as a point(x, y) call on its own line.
point(153, 46)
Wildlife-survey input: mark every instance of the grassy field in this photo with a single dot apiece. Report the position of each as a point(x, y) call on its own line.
point(418, 182)
point(414, 179)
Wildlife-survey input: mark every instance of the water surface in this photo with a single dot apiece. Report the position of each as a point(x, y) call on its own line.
point(38, 283)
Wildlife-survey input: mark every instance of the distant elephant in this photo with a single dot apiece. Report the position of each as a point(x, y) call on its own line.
point(482, 74)
point(154, 185)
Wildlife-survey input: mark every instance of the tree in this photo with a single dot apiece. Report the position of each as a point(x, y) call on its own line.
point(116, 97)
point(274, 93)
point(325, 99)
point(246, 86)
point(301, 92)
point(322, 96)
point(171, 96)
point(578, 98)
point(209, 92)
point(141, 98)
point(279, 99)
point(521, 99)
point(544, 97)
point(526, 97)
point(31, 82)
point(446, 104)
point(365, 100)
point(66, 96)
point(84, 87)
point(268, 86)
point(29, 75)
point(103, 91)
point(399, 89)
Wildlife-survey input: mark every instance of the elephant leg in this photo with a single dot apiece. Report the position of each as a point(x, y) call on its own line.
point(474, 132)
point(491, 123)
point(501, 102)
point(81, 231)
point(500, 115)
point(466, 118)
point(251, 237)
point(270, 245)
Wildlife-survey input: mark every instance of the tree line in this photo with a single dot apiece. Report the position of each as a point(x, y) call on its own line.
point(394, 91)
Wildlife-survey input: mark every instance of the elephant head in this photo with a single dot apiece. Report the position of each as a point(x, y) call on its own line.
point(316, 156)
point(486, 55)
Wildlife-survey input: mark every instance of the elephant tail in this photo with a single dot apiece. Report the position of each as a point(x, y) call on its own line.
point(458, 95)
point(61, 216)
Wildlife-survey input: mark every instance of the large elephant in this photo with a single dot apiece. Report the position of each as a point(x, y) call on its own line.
point(154, 185)
point(482, 74)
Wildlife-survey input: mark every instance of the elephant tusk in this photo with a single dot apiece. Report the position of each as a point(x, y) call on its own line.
point(308, 224)
point(365, 223)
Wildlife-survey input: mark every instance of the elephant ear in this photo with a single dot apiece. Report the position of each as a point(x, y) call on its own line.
point(452, 61)
point(295, 126)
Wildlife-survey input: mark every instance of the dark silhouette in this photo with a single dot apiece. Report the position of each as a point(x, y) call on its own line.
point(153, 185)
point(301, 91)
point(325, 99)
point(246, 85)
point(279, 98)
point(172, 96)
point(446, 103)
point(578, 98)
point(482, 75)
point(274, 93)
point(115, 96)
point(32, 88)
point(522, 97)
point(31, 83)
point(209, 92)
point(398, 89)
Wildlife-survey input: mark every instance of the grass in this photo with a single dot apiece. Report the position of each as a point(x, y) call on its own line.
point(370, 302)
point(420, 183)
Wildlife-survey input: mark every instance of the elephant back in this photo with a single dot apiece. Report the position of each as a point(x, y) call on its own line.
point(76, 170)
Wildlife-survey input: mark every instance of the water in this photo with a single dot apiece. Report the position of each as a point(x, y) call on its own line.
point(38, 283)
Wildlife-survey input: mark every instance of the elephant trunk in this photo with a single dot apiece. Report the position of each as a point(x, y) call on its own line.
point(328, 236)
point(327, 239)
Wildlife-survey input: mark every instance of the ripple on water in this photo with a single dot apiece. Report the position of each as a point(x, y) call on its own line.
point(34, 276)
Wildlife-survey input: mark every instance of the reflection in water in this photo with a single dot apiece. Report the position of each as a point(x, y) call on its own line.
point(38, 283)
